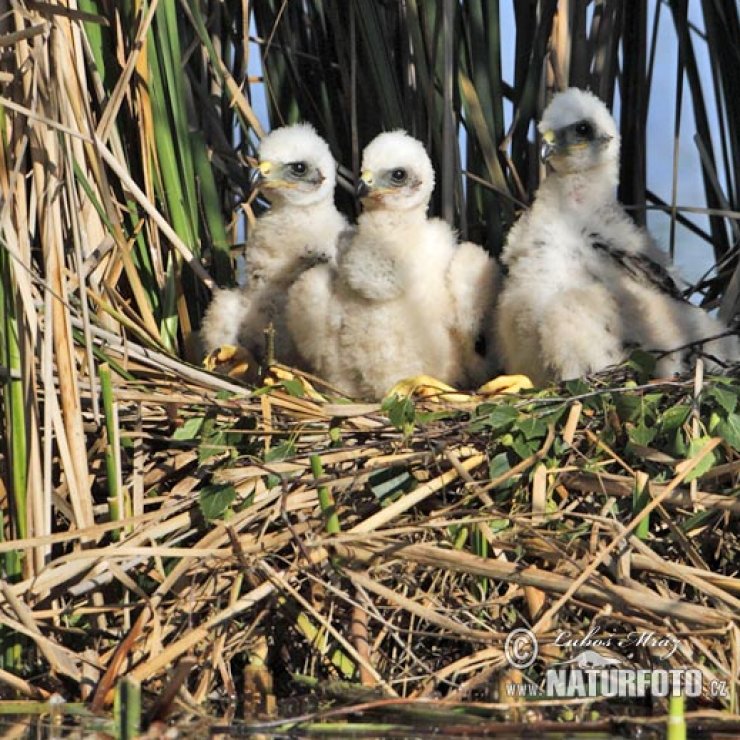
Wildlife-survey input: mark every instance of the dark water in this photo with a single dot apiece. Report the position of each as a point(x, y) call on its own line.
point(43, 728)
point(191, 727)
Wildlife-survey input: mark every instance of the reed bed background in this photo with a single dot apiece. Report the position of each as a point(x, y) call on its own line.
point(158, 517)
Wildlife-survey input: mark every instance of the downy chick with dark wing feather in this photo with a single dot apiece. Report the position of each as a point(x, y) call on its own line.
point(585, 283)
point(297, 173)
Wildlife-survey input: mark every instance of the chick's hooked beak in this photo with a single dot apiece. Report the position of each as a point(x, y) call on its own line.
point(364, 185)
point(259, 173)
point(548, 145)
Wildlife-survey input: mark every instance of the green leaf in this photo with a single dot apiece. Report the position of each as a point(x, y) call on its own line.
point(641, 434)
point(522, 447)
point(713, 423)
point(674, 417)
point(577, 387)
point(698, 520)
point(479, 544)
point(190, 429)
point(386, 484)
point(459, 536)
point(680, 446)
point(696, 446)
point(553, 417)
point(644, 363)
point(272, 481)
point(533, 428)
point(401, 411)
point(216, 444)
point(729, 430)
point(280, 452)
point(628, 405)
point(294, 387)
point(215, 499)
point(426, 417)
point(498, 416)
point(505, 440)
point(499, 525)
point(651, 404)
point(725, 398)
point(498, 466)
point(213, 440)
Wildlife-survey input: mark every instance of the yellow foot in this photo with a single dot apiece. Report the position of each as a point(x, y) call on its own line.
point(229, 360)
point(429, 388)
point(506, 384)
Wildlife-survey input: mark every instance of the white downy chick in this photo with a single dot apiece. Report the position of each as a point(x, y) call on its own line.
point(401, 300)
point(585, 284)
point(297, 173)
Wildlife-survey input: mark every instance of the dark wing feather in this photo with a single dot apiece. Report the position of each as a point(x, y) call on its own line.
point(640, 267)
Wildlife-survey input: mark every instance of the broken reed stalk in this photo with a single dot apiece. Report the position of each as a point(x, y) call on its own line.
point(676, 722)
point(113, 473)
point(326, 500)
point(640, 498)
point(127, 709)
point(14, 523)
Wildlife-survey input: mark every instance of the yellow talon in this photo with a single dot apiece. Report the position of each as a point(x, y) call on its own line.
point(427, 387)
point(506, 384)
point(229, 360)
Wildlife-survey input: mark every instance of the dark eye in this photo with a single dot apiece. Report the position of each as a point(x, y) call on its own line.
point(398, 176)
point(298, 168)
point(584, 128)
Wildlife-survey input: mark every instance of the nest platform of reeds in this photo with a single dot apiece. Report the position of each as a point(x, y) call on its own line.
point(280, 544)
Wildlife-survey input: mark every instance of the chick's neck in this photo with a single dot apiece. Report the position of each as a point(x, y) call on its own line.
point(322, 204)
point(394, 218)
point(583, 191)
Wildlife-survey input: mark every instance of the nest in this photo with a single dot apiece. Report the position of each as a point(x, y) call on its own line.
point(284, 551)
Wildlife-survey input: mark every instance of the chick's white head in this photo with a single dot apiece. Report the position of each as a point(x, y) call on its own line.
point(396, 173)
point(579, 133)
point(295, 166)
